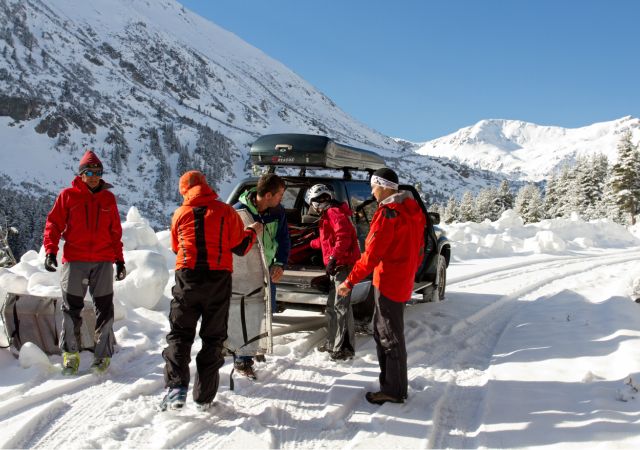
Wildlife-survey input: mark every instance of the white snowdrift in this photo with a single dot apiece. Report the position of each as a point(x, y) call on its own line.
point(509, 236)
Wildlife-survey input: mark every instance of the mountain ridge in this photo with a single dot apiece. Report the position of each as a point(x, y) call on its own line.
point(526, 150)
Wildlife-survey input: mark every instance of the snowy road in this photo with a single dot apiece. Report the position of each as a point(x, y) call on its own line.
point(527, 352)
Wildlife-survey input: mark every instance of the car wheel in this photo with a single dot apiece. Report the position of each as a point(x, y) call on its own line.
point(442, 277)
point(427, 294)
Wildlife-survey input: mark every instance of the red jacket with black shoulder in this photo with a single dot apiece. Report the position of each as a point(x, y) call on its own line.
point(394, 247)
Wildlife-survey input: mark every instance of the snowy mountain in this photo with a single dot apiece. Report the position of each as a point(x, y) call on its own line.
point(155, 90)
point(526, 150)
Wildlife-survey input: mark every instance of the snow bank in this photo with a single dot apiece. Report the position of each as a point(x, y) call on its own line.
point(150, 261)
point(31, 355)
point(509, 236)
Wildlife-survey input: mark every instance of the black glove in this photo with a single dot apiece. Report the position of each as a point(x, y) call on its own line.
point(121, 271)
point(331, 268)
point(50, 262)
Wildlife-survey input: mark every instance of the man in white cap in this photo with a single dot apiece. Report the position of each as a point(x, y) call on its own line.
point(393, 251)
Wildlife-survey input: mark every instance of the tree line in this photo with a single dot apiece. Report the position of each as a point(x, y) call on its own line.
point(592, 187)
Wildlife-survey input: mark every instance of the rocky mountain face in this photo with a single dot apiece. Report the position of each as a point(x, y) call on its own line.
point(526, 150)
point(156, 90)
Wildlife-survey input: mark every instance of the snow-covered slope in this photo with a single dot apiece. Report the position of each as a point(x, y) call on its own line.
point(155, 90)
point(527, 150)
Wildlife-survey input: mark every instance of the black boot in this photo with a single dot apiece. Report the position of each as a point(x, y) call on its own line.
point(245, 367)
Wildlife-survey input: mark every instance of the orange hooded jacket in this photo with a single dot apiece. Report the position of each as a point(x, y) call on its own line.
point(204, 230)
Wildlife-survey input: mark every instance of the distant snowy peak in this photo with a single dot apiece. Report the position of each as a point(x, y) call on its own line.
point(527, 150)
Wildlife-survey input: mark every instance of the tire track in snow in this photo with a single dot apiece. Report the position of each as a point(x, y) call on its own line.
point(507, 271)
point(458, 409)
point(90, 396)
point(446, 392)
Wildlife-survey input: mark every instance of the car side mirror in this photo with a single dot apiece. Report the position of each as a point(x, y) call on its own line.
point(434, 217)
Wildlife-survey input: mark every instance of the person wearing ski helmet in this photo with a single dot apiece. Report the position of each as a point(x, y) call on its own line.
point(86, 216)
point(339, 245)
point(394, 249)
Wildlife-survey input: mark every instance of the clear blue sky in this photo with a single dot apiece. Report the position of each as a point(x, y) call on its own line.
point(420, 69)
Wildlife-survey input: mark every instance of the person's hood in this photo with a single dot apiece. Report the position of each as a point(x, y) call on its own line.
point(402, 201)
point(195, 190)
point(342, 206)
point(246, 198)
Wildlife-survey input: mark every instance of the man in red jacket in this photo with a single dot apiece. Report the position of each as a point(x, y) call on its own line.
point(204, 233)
point(339, 244)
point(86, 216)
point(393, 251)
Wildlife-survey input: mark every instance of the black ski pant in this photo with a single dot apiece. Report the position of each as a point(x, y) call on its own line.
point(341, 331)
point(388, 332)
point(197, 294)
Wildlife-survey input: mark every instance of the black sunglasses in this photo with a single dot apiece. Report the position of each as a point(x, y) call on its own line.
point(93, 173)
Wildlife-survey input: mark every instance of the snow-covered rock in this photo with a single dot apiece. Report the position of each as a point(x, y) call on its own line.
point(31, 355)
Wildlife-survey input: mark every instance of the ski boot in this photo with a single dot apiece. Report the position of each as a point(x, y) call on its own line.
point(204, 406)
point(174, 398)
point(245, 367)
point(380, 398)
point(70, 363)
point(341, 355)
point(100, 365)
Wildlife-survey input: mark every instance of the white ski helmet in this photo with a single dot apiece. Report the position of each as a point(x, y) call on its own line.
point(316, 191)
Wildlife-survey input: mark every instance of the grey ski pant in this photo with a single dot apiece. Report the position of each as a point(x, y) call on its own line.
point(388, 332)
point(197, 294)
point(340, 326)
point(76, 278)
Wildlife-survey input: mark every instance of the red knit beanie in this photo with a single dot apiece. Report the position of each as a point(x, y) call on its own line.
point(89, 161)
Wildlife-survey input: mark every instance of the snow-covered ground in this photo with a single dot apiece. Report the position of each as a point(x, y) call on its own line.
point(537, 344)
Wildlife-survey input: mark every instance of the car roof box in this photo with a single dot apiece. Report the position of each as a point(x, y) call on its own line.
point(311, 150)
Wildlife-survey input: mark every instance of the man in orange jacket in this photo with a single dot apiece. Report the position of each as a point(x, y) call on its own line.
point(86, 216)
point(393, 251)
point(204, 233)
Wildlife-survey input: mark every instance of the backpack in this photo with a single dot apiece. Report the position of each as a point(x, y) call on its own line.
point(31, 318)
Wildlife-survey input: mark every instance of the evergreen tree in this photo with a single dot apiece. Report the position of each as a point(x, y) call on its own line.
point(7, 259)
point(591, 174)
point(163, 171)
point(170, 139)
point(467, 208)
point(625, 178)
point(551, 199)
point(451, 211)
point(565, 192)
point(120, 151)
point(505, 197)
point(529, 204)
point(214, 152)
point(608, 207)
point(487, 205)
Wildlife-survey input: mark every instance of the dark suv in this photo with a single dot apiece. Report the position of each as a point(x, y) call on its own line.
point(347, 170)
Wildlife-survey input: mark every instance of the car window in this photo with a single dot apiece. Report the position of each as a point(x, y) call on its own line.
point(363, 208)
point(289, 197)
